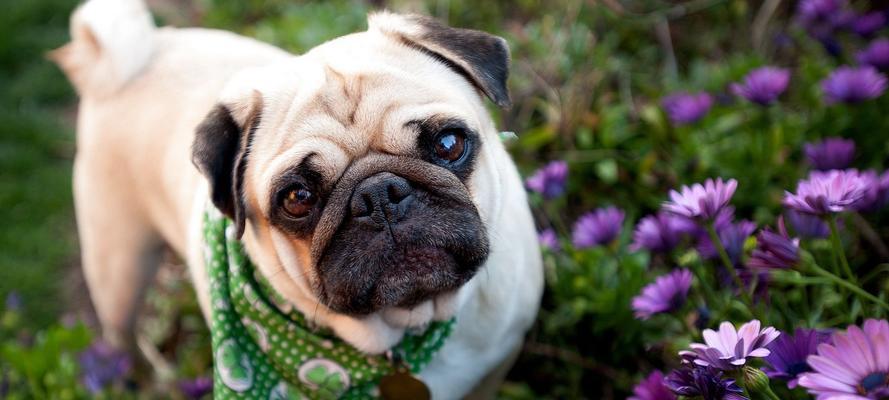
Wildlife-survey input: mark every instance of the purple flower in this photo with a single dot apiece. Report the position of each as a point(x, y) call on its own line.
point(13, 301)
point(686, 108)
point(667, 293)
point(868, 24)
point(843, 19)
point(724, 218)
point(548, 239)
point(807, 225)
point(549, 181)
point(196, 388)
point(876, 54)
point(877, 193)
point(652, 388)
point(830, 153)
point(598, 227)
point(855, 366)
point(732, 236)
point(702, 202)
point(789, 353)
point(102, 365)
point(822, 18)
point(728, 348)
point(775, 250)
point(827, 192)
point(660, 233)
point(708, 383)
point(763, 85)
point(810, 11)
point(853, 85)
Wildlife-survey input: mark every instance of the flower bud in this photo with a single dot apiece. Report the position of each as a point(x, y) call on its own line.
point(756, 382)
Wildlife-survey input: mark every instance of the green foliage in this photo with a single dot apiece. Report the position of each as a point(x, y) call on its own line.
point(36, 147)
point(588, 297)
point(295, 26)
point(45, 368)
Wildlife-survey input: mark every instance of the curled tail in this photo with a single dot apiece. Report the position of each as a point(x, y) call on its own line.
point(111, 42)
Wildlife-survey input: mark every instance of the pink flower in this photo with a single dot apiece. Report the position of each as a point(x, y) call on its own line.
point(701, 201)
point(854, 367)
point(728, 348)
point(827, 192)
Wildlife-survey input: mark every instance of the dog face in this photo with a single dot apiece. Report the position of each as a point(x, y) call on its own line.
point(358, 168)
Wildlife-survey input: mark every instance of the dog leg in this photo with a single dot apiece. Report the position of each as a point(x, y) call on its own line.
point(120, 251)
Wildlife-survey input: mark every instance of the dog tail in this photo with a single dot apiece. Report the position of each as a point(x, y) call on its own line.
point(111, 42)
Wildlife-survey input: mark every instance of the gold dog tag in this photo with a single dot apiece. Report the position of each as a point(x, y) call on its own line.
point(401, 385)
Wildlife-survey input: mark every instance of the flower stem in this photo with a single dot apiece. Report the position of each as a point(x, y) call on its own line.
point(698, 270)
point(849, 285)
point(730, 266)
point(875, 272)
point(807, 308)
point(770, 394)
point(838, 247)
point(613, 250)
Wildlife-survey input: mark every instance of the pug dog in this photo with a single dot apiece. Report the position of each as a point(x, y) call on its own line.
point(366, 179)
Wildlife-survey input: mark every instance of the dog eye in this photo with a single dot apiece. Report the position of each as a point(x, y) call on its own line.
point(298, 201)
point(450, 145)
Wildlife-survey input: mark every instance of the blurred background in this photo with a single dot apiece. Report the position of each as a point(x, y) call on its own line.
point(587, 81)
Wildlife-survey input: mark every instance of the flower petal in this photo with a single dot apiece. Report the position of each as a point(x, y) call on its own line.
point(833, 370)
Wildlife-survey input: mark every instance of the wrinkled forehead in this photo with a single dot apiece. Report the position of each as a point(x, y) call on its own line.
point(355, 95)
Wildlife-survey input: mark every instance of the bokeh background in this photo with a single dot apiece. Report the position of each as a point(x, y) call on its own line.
point(587, 80)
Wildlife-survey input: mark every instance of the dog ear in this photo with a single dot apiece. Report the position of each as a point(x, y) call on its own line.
point(482, 58)
point(219, 151)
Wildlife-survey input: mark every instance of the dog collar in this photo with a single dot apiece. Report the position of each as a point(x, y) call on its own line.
point(264, 349)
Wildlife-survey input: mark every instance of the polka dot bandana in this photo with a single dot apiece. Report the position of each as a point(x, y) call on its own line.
point(264, 349)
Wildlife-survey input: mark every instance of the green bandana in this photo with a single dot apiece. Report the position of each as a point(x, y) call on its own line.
point(264, 349)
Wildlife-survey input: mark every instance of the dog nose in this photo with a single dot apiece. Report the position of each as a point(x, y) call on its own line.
point(381, 198)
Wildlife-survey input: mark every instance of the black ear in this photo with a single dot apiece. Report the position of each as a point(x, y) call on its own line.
point(219, 151)
point(481, 58)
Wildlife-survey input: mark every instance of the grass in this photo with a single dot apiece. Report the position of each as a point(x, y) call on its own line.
point(37, 241)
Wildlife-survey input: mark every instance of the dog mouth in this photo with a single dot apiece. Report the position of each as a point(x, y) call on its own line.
point(431, 250)
point(403, 277)
point(418, 275)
